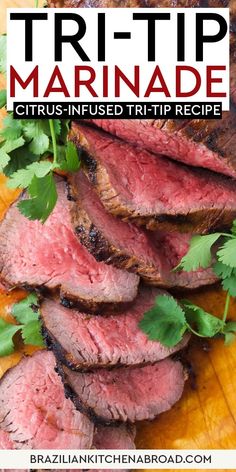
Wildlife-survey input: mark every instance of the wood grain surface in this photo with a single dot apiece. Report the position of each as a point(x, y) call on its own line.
point(206, 415)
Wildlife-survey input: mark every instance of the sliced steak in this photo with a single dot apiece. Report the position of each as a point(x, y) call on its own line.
point(109, 239)
point(34, 412)
point(126, 394)
point(83, 342)
point(151, 190)
point(50, 255)
point(202, 143)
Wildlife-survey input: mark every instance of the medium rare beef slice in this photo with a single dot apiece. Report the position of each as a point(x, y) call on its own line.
point(151, 190)
point(202, 143)
point(51, 256)
point(83, 342)
point(152, 255)
point(34, 413)
point(126, 394)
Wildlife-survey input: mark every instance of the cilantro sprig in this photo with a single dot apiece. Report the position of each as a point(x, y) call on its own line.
point(168, 320)
point(26, 314)
point(25, 150)
point(30, 152)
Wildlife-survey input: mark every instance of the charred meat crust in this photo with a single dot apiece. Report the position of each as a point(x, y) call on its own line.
point(215, 134)
point(88, 306)
point(91, 306)
point(79, 405)
point(99, 247)
point(66, 359)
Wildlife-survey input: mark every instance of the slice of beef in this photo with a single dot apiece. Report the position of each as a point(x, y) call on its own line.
point(83, 342)
point(117, 437)
point(34, 412)
point(109, 239)
point(108, 437)
point(151, 190)
point(50, 255)
point(126, 394)
point(202, 143)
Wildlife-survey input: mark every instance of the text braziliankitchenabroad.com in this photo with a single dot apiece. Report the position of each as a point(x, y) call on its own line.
point(112, 459)
point(163, 459)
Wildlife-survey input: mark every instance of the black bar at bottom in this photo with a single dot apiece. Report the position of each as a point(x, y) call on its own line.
point(116, 110)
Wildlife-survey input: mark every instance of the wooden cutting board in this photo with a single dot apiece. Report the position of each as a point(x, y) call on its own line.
point(205, 417)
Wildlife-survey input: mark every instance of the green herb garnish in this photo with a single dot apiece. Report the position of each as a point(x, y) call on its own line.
point(30, 151)
point(168, 320)
point(26, 313)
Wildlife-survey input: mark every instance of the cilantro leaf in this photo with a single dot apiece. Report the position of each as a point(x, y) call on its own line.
point(12, 128)
point(229, 284)
point(230, 332)
point(4, 159)
point(11, 145)
point(6, 148)
point(44, 197)
point(20, 158)
point(39, 145)
point(23, 177)
point(7, 331)
point(46, 128)
point(24, 311)
point(39, 140)
point(3, 98)
point(72, 162)
point(227, 253)
point(221, 270)
point(31, 333)
point(229, 338)
point(165, 322)
point(199, 254)
point(207, 325)
point(230, 327)
point(3, 53)
point(65, 128)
